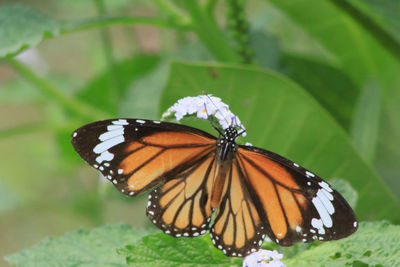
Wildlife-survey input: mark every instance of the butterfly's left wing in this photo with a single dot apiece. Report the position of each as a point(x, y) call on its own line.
point(296, 204)
point(138, 155)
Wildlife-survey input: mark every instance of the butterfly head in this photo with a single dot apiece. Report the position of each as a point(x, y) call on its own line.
point(231, 133)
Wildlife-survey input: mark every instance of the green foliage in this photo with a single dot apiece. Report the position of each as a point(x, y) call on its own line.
point(374, 244)
point(115, 245)
point(22, 27)
point(80, 248)
point(332, 87)
point(164, 250)
point(319, 144)
point(362, 57)
point(366, 121)
point(106, 93)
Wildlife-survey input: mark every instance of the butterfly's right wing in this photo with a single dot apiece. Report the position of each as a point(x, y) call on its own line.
point(138, 155)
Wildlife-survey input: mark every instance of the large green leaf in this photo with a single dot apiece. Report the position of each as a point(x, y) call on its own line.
point(280, 116)
point(361, 56)
point(329, 85)
point(365, 125)
point(383, 12)
point(164, 250)
point(374, 244)
point(95, 247)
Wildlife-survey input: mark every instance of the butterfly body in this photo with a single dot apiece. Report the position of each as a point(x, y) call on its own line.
point(253, 192)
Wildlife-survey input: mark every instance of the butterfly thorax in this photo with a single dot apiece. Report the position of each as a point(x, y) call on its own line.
point(226, 146)
point(226, 150)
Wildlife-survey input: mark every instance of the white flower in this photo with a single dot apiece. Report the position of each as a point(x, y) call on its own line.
point(205, 106)
point(263, 258)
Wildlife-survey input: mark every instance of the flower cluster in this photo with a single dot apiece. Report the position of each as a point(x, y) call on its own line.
point(264, 258)
point(204, 106)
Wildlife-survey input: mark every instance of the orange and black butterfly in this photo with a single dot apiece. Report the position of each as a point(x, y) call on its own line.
point(255, 193)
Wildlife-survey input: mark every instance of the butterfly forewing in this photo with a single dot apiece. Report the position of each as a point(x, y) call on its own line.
point(138, 155)
point(296, 204)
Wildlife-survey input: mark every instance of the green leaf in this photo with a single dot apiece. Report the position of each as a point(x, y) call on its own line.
point(143, 98)
point(280, 116)
point(95, 247)
point(100, 92)
point(164, 250)
point(374, 244)
point(380, 18)
point(365, 125)
point(329, 85)
point(345, 189)
point(21, 27)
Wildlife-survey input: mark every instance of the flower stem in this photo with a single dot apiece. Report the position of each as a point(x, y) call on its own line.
point(108, 53)
point(69, 103)
point(174, 11)
point(209, 33)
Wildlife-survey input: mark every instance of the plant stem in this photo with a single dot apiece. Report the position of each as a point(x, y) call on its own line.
point(69, 103)
point(209, 33)
point(108, 50)
point(85, 24)
point(174, 11)
point(30, 128)
point(209, 6)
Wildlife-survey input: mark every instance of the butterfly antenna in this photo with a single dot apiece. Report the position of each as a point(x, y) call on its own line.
point(212, 122)
point(218, 110)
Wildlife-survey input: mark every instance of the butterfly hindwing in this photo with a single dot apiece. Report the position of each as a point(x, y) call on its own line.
point(182, 206)
point(137, 155)
point(296, 204)
point(238, 229)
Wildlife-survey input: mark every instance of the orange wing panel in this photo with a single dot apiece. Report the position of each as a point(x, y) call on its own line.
point(163, 163)
point(291, 209)
point(137, 158)
point(274, 169)
point(133, 146)
point(269, 199)
point(177, 138)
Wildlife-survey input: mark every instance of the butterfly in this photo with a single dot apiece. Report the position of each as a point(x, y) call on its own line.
point(250, 193)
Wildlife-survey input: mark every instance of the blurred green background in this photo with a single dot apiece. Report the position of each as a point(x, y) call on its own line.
point(316, 81)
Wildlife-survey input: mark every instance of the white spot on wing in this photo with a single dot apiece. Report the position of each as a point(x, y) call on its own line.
point(105, 156)
point(298, 229)
point(327, 194)
point(111, 134)
point(114, 127)
point(327, 203)
point(120, 122)
point(325, 186)
point(120, 171)
point(156, 122)
point(74, 134)
point(296, 165)
point(140, 121)
point(309, 174)
point(103, 146)
point(323, 213)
